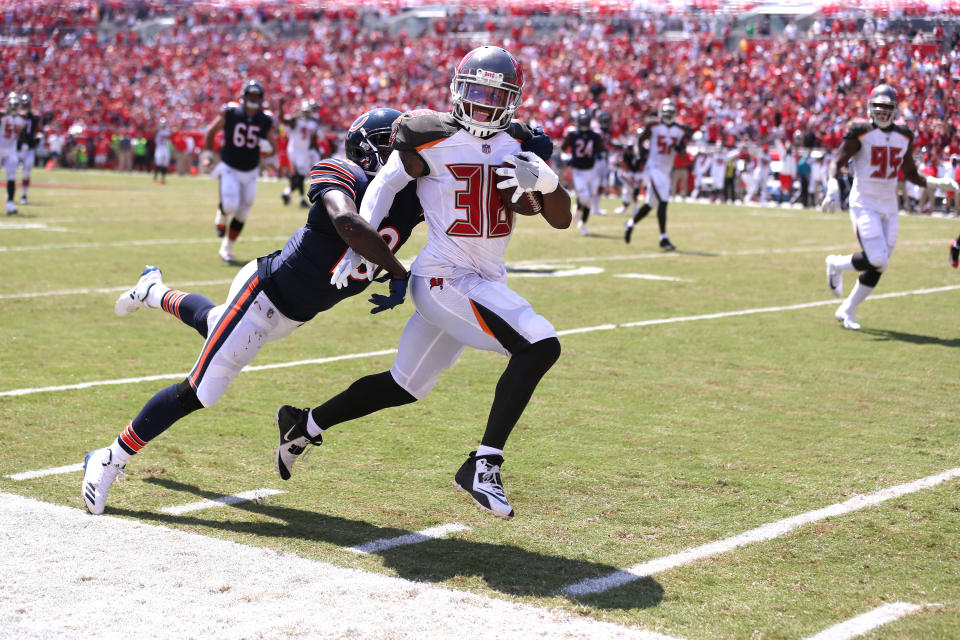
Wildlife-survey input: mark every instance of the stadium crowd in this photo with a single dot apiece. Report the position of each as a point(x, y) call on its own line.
point(96, 76)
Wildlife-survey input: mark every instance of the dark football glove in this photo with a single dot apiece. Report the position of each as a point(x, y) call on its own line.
point(540, 144)
point(398, 292)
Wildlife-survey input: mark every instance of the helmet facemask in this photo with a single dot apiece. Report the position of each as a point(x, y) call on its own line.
point(668, 112)
point(484, 102)
point(372, 152)
point(883, 111)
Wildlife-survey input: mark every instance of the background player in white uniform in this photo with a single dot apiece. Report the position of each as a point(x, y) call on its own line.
point(584, 146)
point(161, 151)
point(458, 282)
point(665, 137)
point(878, 149)
point(301, 148)
point(11, 123)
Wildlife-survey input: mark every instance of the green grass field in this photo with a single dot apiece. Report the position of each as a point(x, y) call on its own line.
point(642, 442)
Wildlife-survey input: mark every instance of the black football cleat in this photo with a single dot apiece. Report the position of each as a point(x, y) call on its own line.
point(292, 424)
point(627, 232)
point(954, 254)
point(479, 476)
point(286, 198)
point(666, 245)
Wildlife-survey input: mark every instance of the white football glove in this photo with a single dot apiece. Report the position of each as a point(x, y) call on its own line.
point(529, 173)
point(831, 201)
point(946, 183)
point(350, 265)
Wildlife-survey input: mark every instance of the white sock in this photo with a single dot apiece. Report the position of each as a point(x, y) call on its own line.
point(844, 262)
point(227, 244)
point(119, 455)
point(155, 295)
point(663, 236)
point(484, 450)
point(858, 295)
point(313, 429)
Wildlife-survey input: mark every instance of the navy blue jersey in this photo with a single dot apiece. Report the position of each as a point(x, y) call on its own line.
point(30, 134)
point(241, 137)
point(297, 278)
point(585, 147)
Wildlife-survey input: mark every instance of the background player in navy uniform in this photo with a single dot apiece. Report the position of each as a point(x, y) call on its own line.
point(458, 282)
point(270, 297)
point(584, 146)
point(27, 143)
point(244, 128)
point(630, 172)
point(877, 151)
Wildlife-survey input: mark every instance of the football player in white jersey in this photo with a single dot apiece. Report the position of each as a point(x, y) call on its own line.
point(458, 281)
point(161, 151)
point(877, 149)
point(10, 125)
point(301, 148)
point(665, 137)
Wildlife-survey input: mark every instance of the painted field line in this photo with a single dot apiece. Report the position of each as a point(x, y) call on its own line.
point(130, 243)
point(760, 534)
point(173, 376)
point(602, 327)
point(29, 475)
point(38, 226)
point(222, 501)
point(71, 292)
point(376, 546)
point(856, 627)
point(651, 276)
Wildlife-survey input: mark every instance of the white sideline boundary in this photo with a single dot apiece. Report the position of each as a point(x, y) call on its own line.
point(76, 575)
point(856, 627)
point(222, 501)
point(376, 546)
point(759, 534)
point(566, 332)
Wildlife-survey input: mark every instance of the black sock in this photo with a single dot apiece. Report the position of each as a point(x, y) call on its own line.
point(642, 213)
point(860, 262)
point(11, 188)
point(662, 216)
point(516, 386)
point(365, 396)
point(189, 308)
point(162, 410)
point(585, 213)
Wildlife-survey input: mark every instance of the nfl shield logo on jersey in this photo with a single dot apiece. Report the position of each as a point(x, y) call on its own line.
point(485, 148)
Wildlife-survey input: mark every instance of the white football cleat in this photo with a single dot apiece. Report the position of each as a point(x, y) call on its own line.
point(11, 208)
point(225, 254)
point(136, 297)
point(480, 477)
point(834, 277)
point(847, 319)
point(99, 472)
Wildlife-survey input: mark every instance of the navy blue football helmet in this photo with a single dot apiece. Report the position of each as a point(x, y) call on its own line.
point(252, 95)
point(368, 139)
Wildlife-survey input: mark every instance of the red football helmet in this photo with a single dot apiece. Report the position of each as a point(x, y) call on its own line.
point(487, 86)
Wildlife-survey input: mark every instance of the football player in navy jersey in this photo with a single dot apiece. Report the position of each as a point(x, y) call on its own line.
point(27, 143)
point(272, 295)
point(247, 131)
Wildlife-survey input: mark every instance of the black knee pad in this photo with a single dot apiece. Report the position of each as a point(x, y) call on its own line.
point(188, 397)
point(870, 277)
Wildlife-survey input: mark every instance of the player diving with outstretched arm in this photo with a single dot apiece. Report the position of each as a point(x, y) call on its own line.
point(270, 296)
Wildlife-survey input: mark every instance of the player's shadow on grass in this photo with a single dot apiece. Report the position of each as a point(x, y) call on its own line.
point(884, 334)
point(505, 568)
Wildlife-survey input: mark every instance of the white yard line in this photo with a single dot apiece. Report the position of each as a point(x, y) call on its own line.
point(74, 574)
point(856, 627)
point(376, 546)
point(602, 327)
point(222, 501)
point(72, 292)
point(171, 376)
point(30, 475)
point(651, 276)
point(760, 534)
point(132, 243)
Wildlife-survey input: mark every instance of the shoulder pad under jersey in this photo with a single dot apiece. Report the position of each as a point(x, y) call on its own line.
point(858, 128)
point(904, 131)
point(416, 130)
point(336, 173)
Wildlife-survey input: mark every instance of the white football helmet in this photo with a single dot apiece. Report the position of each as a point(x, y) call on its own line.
point(668, 111)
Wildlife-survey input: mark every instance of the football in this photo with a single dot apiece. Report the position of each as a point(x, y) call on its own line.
point(529, 204)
